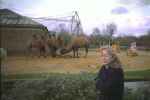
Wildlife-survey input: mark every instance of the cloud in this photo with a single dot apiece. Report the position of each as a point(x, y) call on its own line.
point(135, 2)
point(136, 26)
point(119, 10)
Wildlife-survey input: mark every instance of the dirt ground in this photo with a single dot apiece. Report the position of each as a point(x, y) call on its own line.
point(67, 64)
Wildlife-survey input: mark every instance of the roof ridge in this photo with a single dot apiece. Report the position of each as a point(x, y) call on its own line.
point(10, 17)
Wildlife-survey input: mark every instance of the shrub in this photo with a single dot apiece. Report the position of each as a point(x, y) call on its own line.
point(61, 87)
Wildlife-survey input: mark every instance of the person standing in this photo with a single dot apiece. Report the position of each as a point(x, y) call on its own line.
point(110, 78)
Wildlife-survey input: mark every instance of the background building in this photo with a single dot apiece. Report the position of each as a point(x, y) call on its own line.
point(17, 30)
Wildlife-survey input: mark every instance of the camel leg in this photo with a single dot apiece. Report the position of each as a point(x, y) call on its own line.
point(44, 53)
point(74, 53)
point(86, 51)
point(40, 53)
point(53, 52)
point(32, 52)
point(77, 53)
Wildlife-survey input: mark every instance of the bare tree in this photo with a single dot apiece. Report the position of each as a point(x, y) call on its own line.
point(111, 29)
point(96, 37)
point(96, 31)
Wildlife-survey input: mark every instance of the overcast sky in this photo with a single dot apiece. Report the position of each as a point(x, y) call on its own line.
point(131, 16)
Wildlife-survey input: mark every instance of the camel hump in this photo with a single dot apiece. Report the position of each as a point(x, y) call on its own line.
point(51, 41)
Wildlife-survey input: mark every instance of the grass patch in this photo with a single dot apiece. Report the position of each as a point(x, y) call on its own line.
point(139, 75)
point(129, 75)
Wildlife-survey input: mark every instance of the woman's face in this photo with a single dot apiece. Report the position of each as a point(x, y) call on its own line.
point(105, 57)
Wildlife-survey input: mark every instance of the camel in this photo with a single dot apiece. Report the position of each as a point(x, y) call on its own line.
point(37, 45)
point(57, 44)
point(53, 44)
point(76, 43)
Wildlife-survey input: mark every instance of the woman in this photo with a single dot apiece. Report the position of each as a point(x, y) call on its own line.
point(110, 79)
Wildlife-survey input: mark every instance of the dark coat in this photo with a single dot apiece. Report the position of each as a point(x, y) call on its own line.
point(110, 83)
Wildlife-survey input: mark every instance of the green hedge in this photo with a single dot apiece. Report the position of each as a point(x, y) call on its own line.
point(55, 87)
point(58, 87)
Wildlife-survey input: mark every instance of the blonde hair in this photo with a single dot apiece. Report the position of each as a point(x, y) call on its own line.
point(115, 62)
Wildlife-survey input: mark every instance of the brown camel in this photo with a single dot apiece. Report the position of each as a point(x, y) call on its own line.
point(76, 43)
point(37, 45)
point(53, 44)
point(57, 45)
